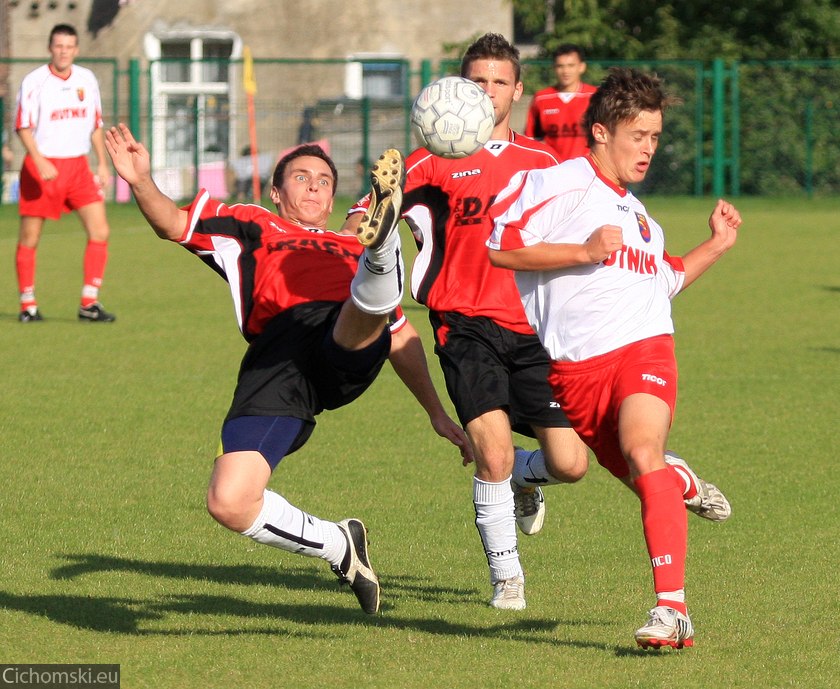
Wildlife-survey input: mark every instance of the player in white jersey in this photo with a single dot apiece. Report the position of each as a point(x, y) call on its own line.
point(596, 284)
point(59, 117)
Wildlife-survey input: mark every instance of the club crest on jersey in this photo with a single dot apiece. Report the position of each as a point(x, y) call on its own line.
point(80, 92)
point(644, 228)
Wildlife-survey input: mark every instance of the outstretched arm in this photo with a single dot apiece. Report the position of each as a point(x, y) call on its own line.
point(724, 223)
point(409, 361)
point(132, 163)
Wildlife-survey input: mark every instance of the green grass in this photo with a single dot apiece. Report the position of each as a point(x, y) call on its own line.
point(109, 433)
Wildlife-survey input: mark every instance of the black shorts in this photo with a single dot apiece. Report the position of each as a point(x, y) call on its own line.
point(489, 367)
point(294, 368)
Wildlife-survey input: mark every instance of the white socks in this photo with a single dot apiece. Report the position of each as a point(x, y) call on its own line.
point(377, 287)
point(282, 525)
point(529, 469)
point(497, 526)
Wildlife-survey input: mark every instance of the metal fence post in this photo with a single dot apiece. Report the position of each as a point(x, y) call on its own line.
point(365, 111)
point(699, 159)
point(718, 131)
point(134, 96)
point(735, 130)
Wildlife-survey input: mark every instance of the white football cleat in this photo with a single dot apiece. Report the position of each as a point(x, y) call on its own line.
point(509, 594)
point(666, 627)
point(710, 502)
point(528, 508)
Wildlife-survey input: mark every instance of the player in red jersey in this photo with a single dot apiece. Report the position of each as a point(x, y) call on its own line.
point(556, 113)
point(314, 307)
point(597, 285)
point(59, 116)
point(494, 365)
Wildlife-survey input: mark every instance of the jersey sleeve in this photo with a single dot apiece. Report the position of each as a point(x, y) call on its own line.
point(98, 121)
point(515, 214)
point(672, 274)
point(27, 105)
point(236, 225)
point(397, 320)
point(360, 206)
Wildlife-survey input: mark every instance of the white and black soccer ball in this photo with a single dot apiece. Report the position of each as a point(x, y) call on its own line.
point(452, 117)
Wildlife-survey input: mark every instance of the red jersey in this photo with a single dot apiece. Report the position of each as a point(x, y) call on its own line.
point(269, 263)
point(556, 117)
point(445, 204)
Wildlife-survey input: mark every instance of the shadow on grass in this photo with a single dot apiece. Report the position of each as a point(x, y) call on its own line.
point(179, 613)
point(128, 615)
point(300, 578)
point(246, 575)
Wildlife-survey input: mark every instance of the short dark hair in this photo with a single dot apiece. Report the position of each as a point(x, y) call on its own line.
point(63, 30)
point(313, 150)
point(568, 49)
point(491, 46)
point(623, 94)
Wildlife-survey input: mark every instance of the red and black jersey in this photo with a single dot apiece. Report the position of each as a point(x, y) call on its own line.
point(556, 117)
point(445, 204)
point(269, 263)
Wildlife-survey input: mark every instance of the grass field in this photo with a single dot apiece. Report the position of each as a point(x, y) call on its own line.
point(109, 432)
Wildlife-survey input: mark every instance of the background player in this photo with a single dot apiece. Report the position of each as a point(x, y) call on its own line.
point(494, 365)
point(556, 113)
point(314, 308)
point(59, 116)
point(596, 283)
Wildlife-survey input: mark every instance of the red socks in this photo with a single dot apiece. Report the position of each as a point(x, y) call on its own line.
point(25, 264)
point(666, 529)
point(96, 256)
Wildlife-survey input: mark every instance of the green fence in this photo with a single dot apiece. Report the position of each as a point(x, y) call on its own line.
point(757, 128)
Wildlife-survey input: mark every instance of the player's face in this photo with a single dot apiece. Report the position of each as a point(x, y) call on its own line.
point(306, 194)
point(624, 155)
point(498, 79)
point(63, 50)
point(569, 69)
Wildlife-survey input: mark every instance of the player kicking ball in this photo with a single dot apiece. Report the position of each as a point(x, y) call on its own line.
point(596, 284)
point(313, 306)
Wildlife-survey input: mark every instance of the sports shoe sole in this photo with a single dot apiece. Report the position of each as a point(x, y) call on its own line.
point(656, 644)
point(383, 215)
point(360, 576)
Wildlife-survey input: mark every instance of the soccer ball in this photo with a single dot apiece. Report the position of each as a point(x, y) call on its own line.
point(452, 117)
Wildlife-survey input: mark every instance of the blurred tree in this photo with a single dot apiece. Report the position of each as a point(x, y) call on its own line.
point(693, 29)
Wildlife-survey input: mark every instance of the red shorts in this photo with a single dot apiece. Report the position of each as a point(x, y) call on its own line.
point(74, 188)
point(591, 392)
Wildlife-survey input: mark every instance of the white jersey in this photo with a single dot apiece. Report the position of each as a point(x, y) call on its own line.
point(61, 112)
point(585, 311)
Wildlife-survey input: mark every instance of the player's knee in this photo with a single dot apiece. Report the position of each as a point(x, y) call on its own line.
point(644, 458)
point(493, 464)
point(230, 509)
point(578, 467)
point(568, 461)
